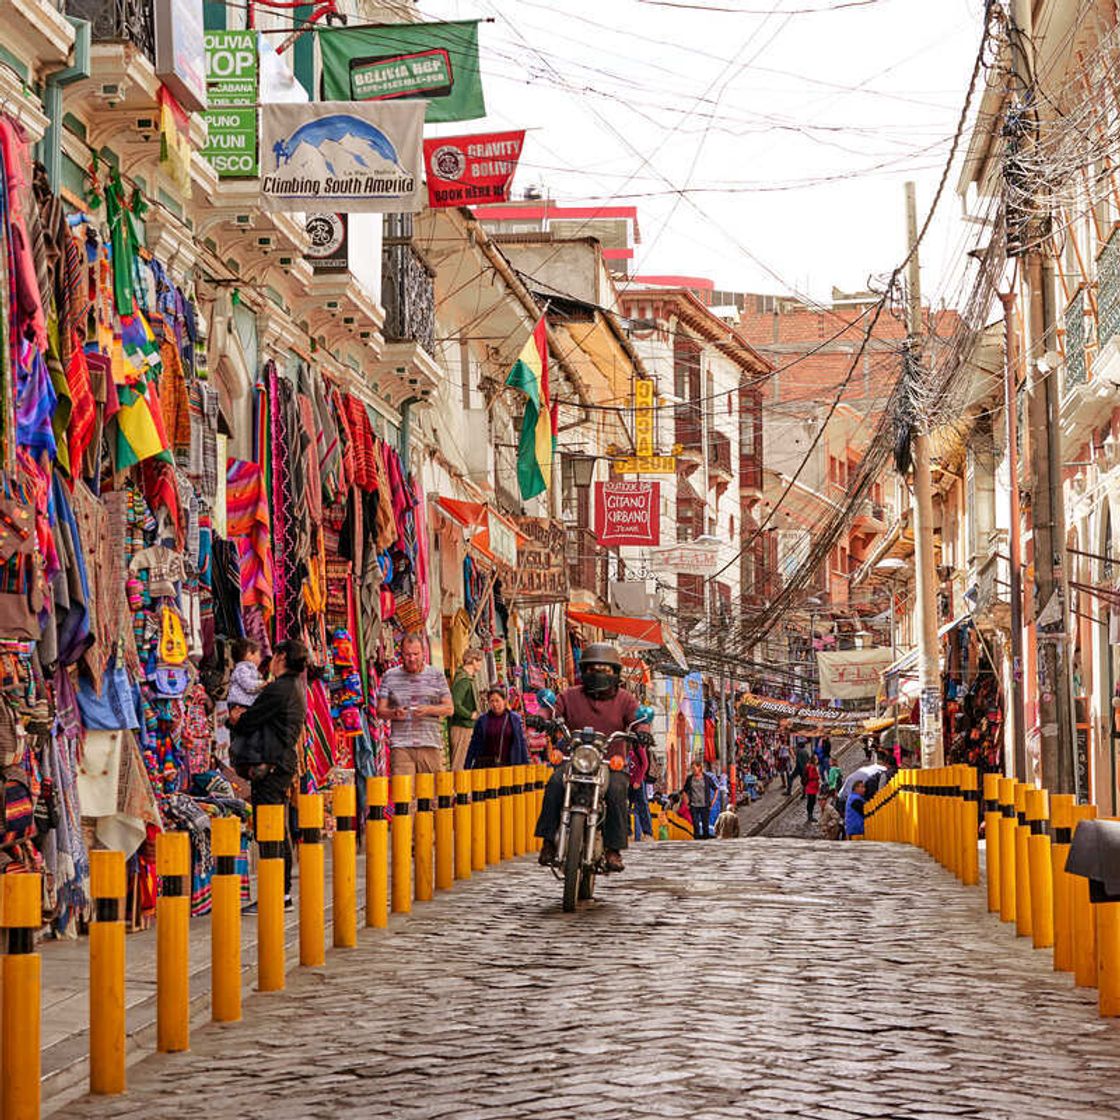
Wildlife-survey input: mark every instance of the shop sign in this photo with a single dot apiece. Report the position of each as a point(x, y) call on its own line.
point(851, 674)
point(231, 89)
point(645, 464)
point(541, 570)
point(643, 417)
point(627, 513)
point(351, 157)
point(327, 237)
point(471, 170)
point(503, 539)
point(750, 704)
point(434, 61)
point(181, 51)
point(698, 558)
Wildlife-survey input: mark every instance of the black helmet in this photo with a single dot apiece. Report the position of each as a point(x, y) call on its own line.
point(600, 668)
point(601, 653)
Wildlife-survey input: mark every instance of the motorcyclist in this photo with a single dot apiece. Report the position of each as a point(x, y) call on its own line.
point(600, 703)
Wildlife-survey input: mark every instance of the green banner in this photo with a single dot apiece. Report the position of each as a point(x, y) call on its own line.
point(231, 89)
point(436, 61)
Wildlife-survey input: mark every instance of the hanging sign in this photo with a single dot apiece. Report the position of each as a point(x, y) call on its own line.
point(434, 61)
point(627, 513)
point(541, 566)
point(351, 157)
point(645, 464)
point(699, 558)
point(327, 249)
point(643, 417)
point(471, 170)
point(231, 90)
point(180, 61)
point(851, 674)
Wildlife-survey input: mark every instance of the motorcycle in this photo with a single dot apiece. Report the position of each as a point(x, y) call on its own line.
point(588, 765)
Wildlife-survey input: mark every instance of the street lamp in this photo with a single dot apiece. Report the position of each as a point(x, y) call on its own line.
point(582, 467)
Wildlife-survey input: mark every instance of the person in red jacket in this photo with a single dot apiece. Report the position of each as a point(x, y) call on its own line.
point(811, 779)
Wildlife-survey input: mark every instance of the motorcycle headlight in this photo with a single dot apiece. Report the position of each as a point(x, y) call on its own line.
point(585, 760)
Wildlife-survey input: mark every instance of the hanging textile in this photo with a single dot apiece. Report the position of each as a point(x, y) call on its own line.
point(249, 525)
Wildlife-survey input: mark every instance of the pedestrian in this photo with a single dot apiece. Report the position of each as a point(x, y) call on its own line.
point(727, 824)
point(811, 782)
point(832, 826)
point(785, 768)
point(271, 730)
point(464, 695)
point(802, 760)
point(498, 738)
point(639, 800)
point(853, 810)
point(245, 681)
point(697, 791)
point(415, 697)
point(834, 778)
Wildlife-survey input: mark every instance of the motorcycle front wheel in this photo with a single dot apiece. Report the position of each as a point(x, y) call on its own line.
point(573, 862)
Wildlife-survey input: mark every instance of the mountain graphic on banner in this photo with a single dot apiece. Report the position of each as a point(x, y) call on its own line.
point(338, 146)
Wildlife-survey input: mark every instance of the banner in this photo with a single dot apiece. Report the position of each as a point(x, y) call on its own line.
point(698, 557)
point(831, 718)
point(231, 91)
point(435, 61)
point(851, 674)
point(328, 247)
point(628, 513)
point(471, 170)
point(348, 158)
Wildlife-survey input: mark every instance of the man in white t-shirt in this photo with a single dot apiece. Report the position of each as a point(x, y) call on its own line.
point(415, 697)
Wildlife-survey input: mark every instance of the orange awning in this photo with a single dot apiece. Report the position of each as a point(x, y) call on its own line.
point(641, 629)
point(468, 514)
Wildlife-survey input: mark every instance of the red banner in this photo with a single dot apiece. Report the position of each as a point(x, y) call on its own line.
point(471, 170)
point(627, 513)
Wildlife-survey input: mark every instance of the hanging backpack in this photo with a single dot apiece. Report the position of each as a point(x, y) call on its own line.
point(172, 642)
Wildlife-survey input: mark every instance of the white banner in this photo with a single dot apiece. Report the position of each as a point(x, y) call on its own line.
point(701, 558)
point(342, 156)
point(851, 674)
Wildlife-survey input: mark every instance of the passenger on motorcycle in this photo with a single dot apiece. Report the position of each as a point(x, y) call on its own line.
point(600, 703)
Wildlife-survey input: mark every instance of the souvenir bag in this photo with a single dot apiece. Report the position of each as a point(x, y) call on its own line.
point(17, 808)
point(172, 642)
point(170, 681)
point(21, 571)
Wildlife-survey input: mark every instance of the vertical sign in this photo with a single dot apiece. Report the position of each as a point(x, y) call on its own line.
point(643, 417)
point(231, 120)
point(327, 235)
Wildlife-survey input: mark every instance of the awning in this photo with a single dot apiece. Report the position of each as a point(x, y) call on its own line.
point(908, 660)
point(651, 633)
point(484, 519)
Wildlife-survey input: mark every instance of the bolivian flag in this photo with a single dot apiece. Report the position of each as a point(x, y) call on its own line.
point(535, 444)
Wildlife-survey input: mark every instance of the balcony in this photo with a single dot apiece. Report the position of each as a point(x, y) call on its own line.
point(719, 457)
point(750, 476)
point(408, 296)
point(587, 562)
point(1108, 289)
point(689, 431)
point(1076, 363)
point(870, 517)
point(119, 21)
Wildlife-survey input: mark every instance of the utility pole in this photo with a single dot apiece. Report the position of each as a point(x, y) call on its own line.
point(925, 573)
point(1014, 547)
point(1028, 237)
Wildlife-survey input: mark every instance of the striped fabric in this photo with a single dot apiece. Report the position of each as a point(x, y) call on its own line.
point(249, 524)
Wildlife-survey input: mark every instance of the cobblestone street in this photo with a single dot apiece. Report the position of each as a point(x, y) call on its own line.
point(723, 979)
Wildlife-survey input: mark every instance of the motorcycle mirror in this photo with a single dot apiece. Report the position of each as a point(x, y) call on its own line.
point(547, 697)
point(644, 714)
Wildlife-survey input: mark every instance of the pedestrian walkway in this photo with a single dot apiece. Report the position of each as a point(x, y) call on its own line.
point(743, 978)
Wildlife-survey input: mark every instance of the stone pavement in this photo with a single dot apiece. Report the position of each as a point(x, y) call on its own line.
point(747, 978)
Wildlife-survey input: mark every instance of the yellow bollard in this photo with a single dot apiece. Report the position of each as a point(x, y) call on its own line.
point(463, 837)
point(402, 844)
point(445, 832)
point(225, 921)
point(1107, 916)
point(517, 795)
point(1061, 822)
point(312, 877)
point(173, 916)
point(1084, 922)
point(20, 919)
point(1007, 830)
point(270, 897)
point(505, 802)
point(377, 854)
point(493, 816)
point(991, 840)
point(424, 836)
point(344, 867)
point(1038, 858)
point(106, 972)
point(950, 820)
point(970, 827)
point(1022, 862)
point(543, 773)
point(479, 814)
point(528, 799)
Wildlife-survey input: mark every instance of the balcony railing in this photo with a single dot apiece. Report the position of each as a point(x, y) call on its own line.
point(1108, 289)
point(720, 451)
point(408, 295)
point(689, 429)
point(1077, 372)
point(117, 21)
point(587, 562)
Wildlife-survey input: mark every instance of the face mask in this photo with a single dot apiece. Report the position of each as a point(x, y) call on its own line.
point(600, 684)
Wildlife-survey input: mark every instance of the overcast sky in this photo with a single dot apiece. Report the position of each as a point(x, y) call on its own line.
point(789, 133)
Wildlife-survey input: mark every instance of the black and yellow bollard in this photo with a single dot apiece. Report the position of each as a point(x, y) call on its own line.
point(445, 830)
point(312, 882)
point(1023, 924)
point(505, 801)
point(173, 918)
point(270, 897)
point(402, 844)
point(1084, 920)
point(991, 840)
point(21, 915)
point(344, 867)
point(1107, 915)
point(424, 836)
point(1007, 829)
point(225, 921)
point(1038, 859)
point(108, 888)
point(377, 854)
point(463, 831)
point(479, 813)
point(544, 772)
point(1061, 833)
point(970, 826)
point(493, 816)
point(519, 814)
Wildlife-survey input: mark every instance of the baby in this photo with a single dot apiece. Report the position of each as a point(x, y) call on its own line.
point(245, 679)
